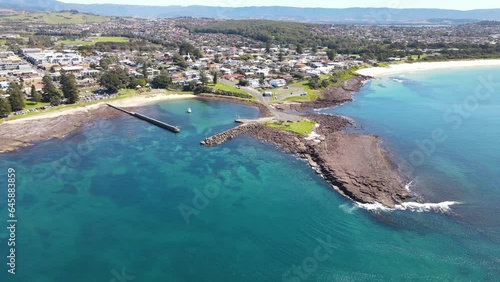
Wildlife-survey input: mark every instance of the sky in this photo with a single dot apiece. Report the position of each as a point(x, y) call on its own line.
point(401, 4)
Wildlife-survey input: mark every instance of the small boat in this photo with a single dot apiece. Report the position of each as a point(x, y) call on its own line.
point(189, 110)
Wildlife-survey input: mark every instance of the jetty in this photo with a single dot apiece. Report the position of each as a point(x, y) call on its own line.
point(153, 121)
point(222, 137)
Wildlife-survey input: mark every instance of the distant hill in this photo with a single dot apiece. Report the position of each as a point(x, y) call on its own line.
point(31, 5)
point(313, 15)
point(51, 18)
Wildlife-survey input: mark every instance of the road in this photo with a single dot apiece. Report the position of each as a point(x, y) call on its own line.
point(258, 95)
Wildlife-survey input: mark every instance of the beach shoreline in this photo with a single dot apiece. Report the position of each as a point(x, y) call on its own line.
point(24, 132)
point(133, 101)
point(351, 176)
point(395, 69)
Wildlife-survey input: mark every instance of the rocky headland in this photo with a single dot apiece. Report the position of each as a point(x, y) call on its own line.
point(354, 164)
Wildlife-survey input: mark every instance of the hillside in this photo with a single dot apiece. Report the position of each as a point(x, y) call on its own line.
point(51, 18)
point(312, 15)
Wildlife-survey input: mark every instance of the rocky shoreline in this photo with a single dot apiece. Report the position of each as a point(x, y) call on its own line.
point(355, 165)
point(19, 134)
point(335, 95)
point(24, 133)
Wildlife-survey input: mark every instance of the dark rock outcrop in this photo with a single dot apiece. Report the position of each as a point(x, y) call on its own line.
point(355, 164)
point(222, 137)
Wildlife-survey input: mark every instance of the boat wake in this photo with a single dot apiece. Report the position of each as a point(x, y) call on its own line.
point(443, 207)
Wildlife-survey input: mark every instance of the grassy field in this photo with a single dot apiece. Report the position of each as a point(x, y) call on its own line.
point(225, 87)
point(31, 105)
point(312, 95)
point(303, 128)
point(93, 40)
point(52, 18)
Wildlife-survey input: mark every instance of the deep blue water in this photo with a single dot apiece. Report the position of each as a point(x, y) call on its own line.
point(124, 196)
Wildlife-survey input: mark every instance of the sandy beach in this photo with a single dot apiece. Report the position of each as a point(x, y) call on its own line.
point(415, 67)
point(134, 101)
point(15, 134)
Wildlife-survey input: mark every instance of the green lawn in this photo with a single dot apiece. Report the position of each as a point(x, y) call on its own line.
point(52, 18)
point(31, 105)
point(225, 87)
point(94, 40)
point(303, 128)
point(312, 95)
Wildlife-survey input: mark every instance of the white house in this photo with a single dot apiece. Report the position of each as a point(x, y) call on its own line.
point(277, 82)
point(254, 83)
point(263, 72)
point(226, 71)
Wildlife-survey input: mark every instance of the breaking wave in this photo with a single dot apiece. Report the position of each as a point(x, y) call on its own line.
point(443, 207)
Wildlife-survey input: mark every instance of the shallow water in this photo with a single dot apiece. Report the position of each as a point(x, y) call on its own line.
point(122, 197)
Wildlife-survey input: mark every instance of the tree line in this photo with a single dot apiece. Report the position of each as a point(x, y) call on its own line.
point(68, 92)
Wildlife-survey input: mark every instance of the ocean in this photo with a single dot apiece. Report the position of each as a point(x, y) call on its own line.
point(122, 200)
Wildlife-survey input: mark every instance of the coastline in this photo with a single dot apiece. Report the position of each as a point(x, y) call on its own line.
point(134, 101)
point(23, 132)
point(355, 165)
point(377, 72)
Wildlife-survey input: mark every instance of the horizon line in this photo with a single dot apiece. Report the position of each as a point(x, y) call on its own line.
point(277, 6)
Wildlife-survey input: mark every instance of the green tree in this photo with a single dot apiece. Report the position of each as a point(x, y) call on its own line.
point(299, 49)
point(35, 96)
point(16, 98)
point(69, 87)
point(268, 46)
point(145, 70)
point(179, 61)
point(162, 81)
point(243, 82)
point(134, 82)
point(142, 82)
point(5, 108)
point(216, 77)
point(314, 49)
point(281, 56)
point(203, 78)
point(51, 93)
point(187, 48)
point(113, 81)
point(331, 54)
point(106, 61)
point(217, 58)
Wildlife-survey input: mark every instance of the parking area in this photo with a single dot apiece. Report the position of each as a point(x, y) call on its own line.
point(280, 94)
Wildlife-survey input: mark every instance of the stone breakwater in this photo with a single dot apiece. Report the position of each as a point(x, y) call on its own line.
point(222, 137)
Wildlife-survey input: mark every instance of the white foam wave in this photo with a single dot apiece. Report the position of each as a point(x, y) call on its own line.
point(443, 207)
point(408, 186)
point(398, 80)
point(374, 207)
point(348, 208)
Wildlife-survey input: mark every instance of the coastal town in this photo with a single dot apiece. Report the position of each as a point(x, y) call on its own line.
point(51, 67)
point(201, 56)
point(249, 141)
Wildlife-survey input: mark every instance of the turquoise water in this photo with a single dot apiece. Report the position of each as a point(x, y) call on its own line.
point(121, 197)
